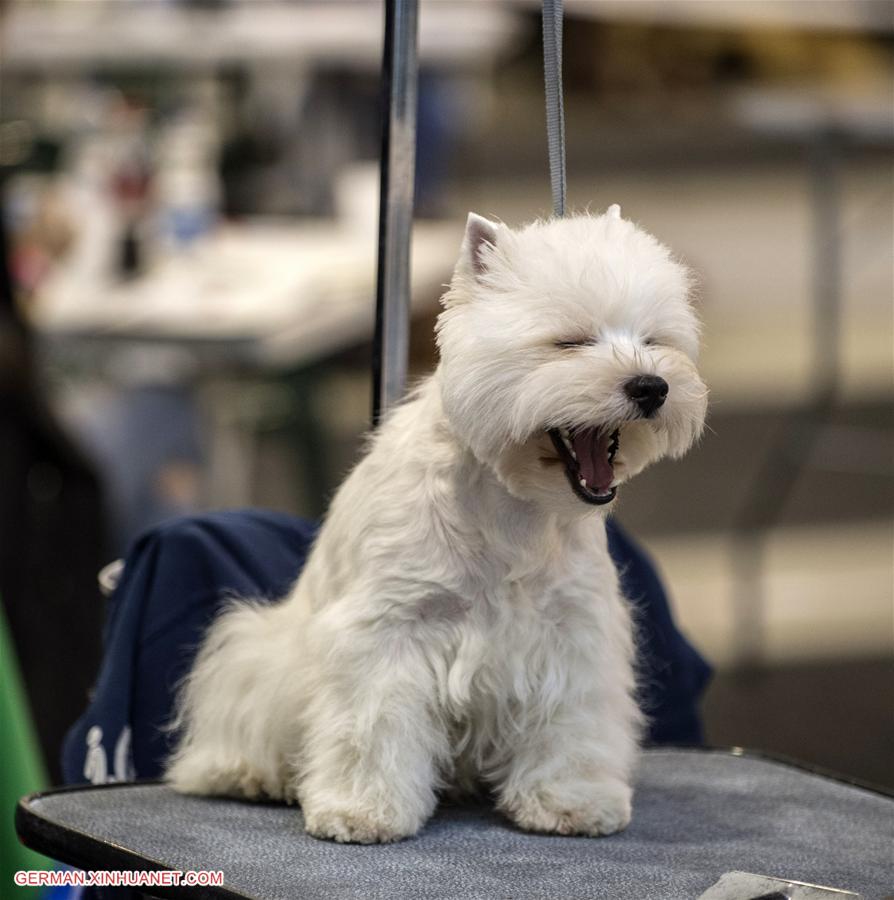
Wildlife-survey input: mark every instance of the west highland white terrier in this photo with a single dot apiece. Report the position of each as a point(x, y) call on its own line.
point(459, 620)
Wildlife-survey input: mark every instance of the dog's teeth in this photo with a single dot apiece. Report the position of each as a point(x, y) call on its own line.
point(583, 482)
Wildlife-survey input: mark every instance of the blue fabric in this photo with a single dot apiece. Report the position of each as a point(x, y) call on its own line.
point(175, 579)
point(673, 675)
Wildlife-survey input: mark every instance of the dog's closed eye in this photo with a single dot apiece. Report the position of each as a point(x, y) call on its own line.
point(576, 342)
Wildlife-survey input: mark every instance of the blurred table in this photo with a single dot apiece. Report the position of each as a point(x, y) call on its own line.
point(260, 302)
point(261, 293)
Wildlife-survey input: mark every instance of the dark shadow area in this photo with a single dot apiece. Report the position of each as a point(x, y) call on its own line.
point(834, 714)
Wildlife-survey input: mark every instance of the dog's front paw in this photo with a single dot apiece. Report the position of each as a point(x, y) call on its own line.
point(349, 827)
point(592, 809)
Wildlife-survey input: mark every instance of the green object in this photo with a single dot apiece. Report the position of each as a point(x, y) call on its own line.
point(22, 771)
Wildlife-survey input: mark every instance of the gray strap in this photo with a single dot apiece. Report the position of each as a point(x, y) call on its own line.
point(555, 113)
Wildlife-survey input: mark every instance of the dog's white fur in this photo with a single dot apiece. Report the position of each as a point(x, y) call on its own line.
point(459, 620)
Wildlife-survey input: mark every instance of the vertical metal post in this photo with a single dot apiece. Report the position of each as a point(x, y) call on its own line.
point(792, 449)
point(825, 189)
point(398, 169)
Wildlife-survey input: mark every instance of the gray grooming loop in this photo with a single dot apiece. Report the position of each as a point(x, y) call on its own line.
point(698, 814)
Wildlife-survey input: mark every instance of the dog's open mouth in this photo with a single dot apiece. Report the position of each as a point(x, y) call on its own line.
point(588, 455)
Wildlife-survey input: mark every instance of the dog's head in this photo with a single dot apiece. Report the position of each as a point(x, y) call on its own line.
point(568, 354)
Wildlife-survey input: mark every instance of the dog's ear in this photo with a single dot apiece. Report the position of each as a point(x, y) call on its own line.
point(480, 234)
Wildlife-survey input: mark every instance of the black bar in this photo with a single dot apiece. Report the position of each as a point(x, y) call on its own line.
point(397, 176)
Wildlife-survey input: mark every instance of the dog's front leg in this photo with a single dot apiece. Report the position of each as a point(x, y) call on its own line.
point(571, 770)
point(372, 741)
point(565, 777)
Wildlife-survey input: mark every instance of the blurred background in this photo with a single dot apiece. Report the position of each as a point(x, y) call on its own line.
point(189, 202)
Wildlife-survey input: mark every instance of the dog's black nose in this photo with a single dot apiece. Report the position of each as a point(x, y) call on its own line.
point(648, 392)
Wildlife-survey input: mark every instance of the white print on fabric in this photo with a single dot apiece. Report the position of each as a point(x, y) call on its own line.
point(96, 765)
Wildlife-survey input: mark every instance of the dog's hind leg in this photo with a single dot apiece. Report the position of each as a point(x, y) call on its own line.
point(230, 711)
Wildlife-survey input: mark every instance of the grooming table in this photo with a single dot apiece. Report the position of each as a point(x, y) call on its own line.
point(697, 815)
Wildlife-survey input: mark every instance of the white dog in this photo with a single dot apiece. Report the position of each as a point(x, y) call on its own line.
point(459, 620)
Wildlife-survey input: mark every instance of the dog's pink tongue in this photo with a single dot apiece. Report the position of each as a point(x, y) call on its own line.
point(591, 448)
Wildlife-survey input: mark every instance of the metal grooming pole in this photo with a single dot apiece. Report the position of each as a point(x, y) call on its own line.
point(400, 70)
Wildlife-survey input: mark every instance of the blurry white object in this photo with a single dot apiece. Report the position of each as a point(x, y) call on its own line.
point(357, 197)
point(109, 576)
point(745, 886)
point(187, 186)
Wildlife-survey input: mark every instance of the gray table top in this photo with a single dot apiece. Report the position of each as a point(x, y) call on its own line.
point(697, 815)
